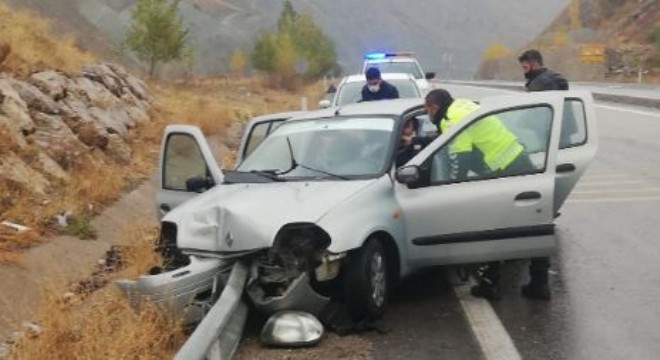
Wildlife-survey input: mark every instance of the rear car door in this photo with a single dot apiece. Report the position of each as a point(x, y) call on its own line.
point(257, 130)
point(185, 160)
point(578, 143)
point(488, 215)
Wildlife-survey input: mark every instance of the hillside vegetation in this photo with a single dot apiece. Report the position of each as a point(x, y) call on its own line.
point(629, 31)
point(75, 136)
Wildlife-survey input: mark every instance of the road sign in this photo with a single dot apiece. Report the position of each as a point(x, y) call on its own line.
point(592, 53)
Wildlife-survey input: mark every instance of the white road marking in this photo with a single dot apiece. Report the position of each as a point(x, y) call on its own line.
point(606, 175)
point(625, 109)
point(495, 342)
point(614, 200)
point(609, 183)
point(642, 190)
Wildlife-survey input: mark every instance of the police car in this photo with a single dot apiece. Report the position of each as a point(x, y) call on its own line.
point(400, 62)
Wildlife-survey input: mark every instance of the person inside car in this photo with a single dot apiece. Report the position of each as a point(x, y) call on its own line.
point(377, 88)
point(411, 144)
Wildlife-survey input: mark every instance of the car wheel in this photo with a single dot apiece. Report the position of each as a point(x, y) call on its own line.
point(366, 282)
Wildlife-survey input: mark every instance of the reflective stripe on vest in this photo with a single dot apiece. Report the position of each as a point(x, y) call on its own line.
point(499, 146)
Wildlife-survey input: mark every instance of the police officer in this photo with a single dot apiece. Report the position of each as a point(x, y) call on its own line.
point(498, 153)
point(376, 88)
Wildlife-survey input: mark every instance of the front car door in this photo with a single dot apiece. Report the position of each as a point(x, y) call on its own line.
point(184, 157)
point(488, 215)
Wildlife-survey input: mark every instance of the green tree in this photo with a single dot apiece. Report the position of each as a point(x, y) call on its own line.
point(297, 37)
point(263, 54)
point(287, 17)
point(157, 34)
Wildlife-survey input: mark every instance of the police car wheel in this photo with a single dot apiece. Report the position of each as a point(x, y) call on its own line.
point(366, 283)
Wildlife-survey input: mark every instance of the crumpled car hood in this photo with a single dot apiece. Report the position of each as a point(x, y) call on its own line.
point(240, 217)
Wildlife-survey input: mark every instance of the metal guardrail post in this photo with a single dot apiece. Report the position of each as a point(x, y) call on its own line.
point(217, 336)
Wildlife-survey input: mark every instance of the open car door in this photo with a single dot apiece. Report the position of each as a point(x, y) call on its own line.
point(485, 215)
point(187, 167)
point(258, 129)
point(577, 145)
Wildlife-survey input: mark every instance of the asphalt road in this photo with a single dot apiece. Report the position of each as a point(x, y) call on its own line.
point(605, 278)
point(606, 275)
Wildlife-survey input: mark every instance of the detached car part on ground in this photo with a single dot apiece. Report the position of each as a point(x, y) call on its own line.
point(319, 212)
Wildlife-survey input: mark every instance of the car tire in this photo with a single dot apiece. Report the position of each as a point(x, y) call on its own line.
point(366, 282)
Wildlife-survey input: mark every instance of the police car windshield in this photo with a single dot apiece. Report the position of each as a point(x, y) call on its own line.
point(351, 93)
point(350, 147)
point(408, 67)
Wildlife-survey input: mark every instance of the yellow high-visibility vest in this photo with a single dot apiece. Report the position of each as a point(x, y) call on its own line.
point(499, 146)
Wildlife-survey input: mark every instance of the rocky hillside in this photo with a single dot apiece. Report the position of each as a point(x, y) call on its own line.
point(625, 28)
point(448, 36)
point(53, 123)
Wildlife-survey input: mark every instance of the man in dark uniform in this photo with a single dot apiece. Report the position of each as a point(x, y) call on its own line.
point(376, 88)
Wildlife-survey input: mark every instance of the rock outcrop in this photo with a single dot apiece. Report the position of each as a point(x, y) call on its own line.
point(50, 119)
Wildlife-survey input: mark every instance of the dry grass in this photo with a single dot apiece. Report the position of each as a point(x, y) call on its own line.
point(103, 325)
point(32, 45)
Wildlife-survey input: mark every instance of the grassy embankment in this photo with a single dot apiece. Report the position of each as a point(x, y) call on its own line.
point(101, 324)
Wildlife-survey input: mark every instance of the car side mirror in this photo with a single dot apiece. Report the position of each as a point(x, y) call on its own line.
point(324, 104)
point(198, 184)
point(407, 174)
point(429, 75)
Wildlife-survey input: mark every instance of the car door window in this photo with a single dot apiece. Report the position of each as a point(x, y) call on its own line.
point(574, 124)
point(258, 133)
point(183, 160)
point(507, 143)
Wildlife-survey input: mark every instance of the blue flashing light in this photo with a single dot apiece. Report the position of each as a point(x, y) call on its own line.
point(375, 56)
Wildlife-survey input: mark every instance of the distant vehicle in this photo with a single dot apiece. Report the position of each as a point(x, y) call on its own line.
point(400, 62)
point(350, 89)
point(316, 201)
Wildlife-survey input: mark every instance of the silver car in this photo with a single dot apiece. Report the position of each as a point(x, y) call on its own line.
point(318, 210)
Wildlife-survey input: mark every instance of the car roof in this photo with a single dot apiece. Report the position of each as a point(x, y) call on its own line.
point(393, 107)
point(385, 76)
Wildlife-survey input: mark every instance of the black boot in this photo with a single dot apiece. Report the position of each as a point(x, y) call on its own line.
point(536, 291)
point(538, 288)
point(488, 287)
point(486, 291)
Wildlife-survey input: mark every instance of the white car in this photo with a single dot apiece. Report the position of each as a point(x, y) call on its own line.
point(400, 62)
point(318, 210)
point(349, 90)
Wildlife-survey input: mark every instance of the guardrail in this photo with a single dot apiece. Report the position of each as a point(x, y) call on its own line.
point(598, 96)
point(219, 333)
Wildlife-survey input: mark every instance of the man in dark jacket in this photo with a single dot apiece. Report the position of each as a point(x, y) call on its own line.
point(376, 88)
point(540, 78)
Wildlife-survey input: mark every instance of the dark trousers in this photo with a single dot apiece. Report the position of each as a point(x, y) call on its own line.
point(538, 271)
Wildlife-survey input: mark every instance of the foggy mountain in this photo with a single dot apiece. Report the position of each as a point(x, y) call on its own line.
point(448, 36)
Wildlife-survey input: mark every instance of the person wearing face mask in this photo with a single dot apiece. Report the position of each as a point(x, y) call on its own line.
point(376, 88)
point(540, 78)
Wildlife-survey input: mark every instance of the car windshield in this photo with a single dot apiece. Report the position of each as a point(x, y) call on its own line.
point(336, 148)
point(407, 67)
point(350, 93)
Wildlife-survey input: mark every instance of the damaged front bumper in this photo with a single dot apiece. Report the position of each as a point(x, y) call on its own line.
point(186, 291)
